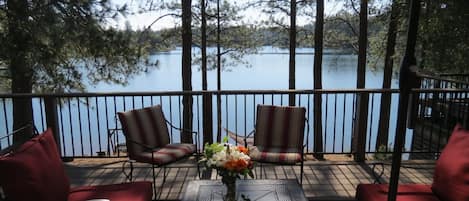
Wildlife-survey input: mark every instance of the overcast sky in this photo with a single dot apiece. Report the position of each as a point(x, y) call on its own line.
point(139, 21)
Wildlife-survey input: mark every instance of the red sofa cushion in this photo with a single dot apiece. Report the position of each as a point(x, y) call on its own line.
point(34, 171)
point(135, 191)
point(451, 177)
point(405, 192)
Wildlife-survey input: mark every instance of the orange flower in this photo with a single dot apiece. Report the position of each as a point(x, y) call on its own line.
point(241, 164)
point(236, 165)
point(243, 149)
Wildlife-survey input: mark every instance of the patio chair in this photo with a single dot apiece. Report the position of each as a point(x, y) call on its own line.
point(278, 136)
point(34, 171)
point(148, 141)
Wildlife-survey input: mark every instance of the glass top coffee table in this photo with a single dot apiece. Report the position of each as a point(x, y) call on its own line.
point(255, 190)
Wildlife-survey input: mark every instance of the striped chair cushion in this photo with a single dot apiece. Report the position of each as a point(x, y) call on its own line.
point(280, 127)
point(146, 126)
point(274, 155)
point(167, 154)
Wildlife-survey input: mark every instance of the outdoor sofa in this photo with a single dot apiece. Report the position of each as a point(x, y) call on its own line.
point(450, 179)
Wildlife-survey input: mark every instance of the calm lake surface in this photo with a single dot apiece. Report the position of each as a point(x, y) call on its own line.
point(267, 70)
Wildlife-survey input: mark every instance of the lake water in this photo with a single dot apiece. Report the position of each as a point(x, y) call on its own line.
point(267, 70)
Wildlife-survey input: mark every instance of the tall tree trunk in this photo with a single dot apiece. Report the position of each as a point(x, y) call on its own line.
point(291, 63)
point(207, 98)
point(318, 50)
point(385, 108)
point(20, 67)
point(218, 74)
point(186, 69)
point(361, 115)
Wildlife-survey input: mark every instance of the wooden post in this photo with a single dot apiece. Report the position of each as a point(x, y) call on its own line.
point(405, 77)
point(52, 118)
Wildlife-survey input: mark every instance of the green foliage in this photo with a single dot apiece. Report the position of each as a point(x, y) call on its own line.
point(69, 42)
point(210, 149)
point(443, 36)
point(383, 153)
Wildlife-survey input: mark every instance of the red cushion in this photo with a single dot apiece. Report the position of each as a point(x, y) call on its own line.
point(405, 192)
point(136, 191)
point(34, 171)
point(451, 177)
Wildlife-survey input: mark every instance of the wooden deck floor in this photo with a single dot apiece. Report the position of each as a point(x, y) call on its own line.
point(323, 180)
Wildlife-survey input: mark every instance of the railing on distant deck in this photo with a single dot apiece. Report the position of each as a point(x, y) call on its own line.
point(86, 120)
point(443, 101)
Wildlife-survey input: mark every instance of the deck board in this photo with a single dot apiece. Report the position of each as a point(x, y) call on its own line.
point(323, 180)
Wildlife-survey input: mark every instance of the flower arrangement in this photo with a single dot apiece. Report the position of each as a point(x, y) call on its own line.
point(230, 161)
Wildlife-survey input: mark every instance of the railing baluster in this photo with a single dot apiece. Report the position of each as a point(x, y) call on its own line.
point(236, 115)
point(245, 111)
point(226, 111)
point(325, 123)
point(98, 124)
point(107, 127)
point(343, 123)
point(42, 113)
point(80, 126)
point(370, 121)
point(143, 104)
point(71, 126)
point(335, 122)
point(6, 121)
point(171, 117)
point(254, 105)
point(198, 120)
point(64, 151)
point(89, 126)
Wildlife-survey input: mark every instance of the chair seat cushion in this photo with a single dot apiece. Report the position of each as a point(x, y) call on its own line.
point(167, 154)
point(34, 171)
point(135, 191)
point(405, 192)
point(274, 155)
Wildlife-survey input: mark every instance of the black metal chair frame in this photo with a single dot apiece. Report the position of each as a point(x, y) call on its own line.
point(153, 149)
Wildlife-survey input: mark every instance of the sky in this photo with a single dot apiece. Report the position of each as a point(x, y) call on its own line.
point(140, 21)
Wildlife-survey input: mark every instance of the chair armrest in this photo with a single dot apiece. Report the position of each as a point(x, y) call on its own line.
point(251, 133)
point(181, 129)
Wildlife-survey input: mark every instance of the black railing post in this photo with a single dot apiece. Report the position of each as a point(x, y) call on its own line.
point(412, 111)
point(405, 78)
point(207, 118)
point(50, 106)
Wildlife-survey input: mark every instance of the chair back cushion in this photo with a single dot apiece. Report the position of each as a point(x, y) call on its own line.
point(280, 127)
point(451, 176)
point(146, 126)
point(34, 171)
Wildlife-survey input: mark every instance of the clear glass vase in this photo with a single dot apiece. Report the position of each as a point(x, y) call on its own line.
point(230, 184)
